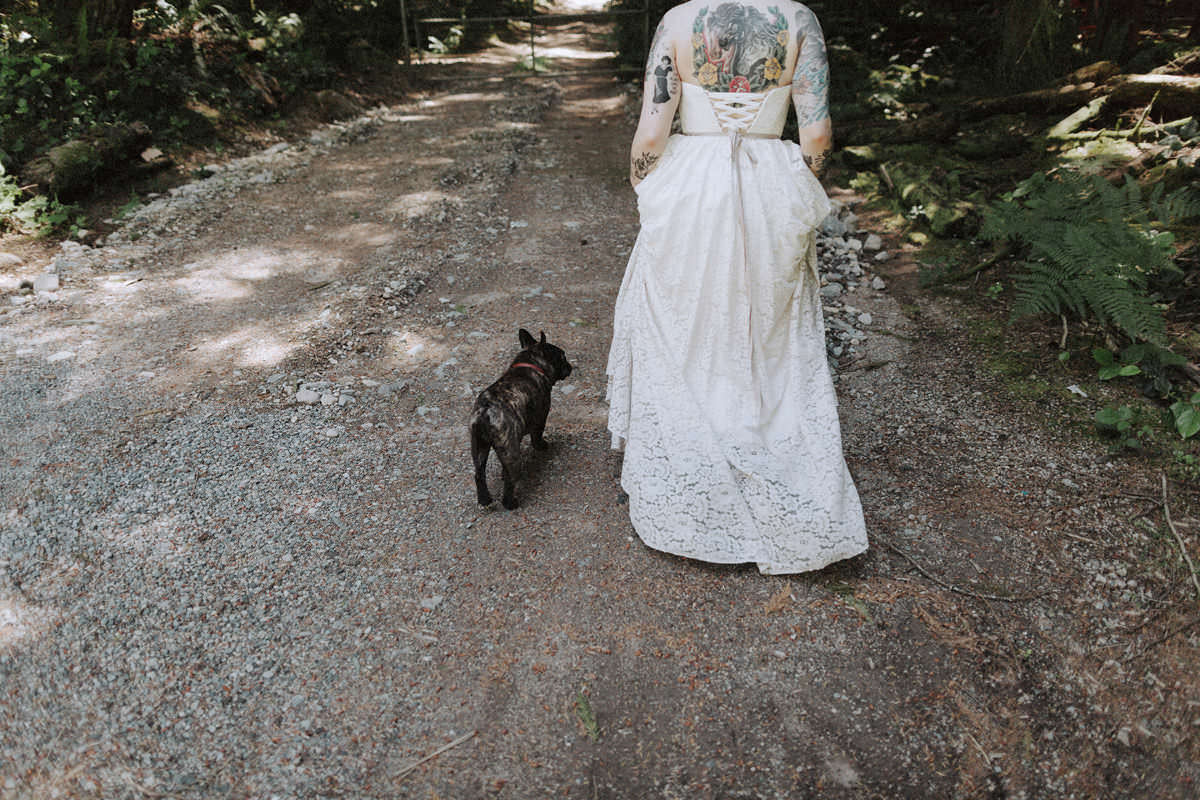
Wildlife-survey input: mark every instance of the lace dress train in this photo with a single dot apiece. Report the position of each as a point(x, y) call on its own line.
point(719, 390)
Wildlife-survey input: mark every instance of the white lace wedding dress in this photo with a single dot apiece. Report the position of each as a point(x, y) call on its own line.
point(718, 386)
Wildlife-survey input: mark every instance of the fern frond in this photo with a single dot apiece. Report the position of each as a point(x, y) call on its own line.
point(1090, 248)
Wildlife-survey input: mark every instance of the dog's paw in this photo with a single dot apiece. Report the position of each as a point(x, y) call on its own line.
point(484, 499)
point(510, 503)
point(540, 444)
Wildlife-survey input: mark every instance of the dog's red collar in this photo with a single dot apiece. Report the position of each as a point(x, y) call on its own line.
point(533, 367)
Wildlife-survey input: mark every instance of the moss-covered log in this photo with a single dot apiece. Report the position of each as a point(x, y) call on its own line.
point(71, 168)
point(1171, 94)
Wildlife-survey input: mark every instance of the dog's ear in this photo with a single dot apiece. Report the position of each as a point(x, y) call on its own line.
point(543, 336)
point(527, 339)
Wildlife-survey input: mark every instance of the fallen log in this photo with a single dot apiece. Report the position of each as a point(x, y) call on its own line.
point(1148, 129)
point(1171, 93)
point(1042, 100)
point(936, 127)
point(1077, 120)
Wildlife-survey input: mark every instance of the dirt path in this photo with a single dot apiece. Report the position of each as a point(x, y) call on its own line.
point(211, 588)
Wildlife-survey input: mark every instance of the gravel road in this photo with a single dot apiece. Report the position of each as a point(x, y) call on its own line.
point(240, 555)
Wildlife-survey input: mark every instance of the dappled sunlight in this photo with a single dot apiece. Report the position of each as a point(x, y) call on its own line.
point(160, 537)
point(212, 287)
point(18, 620)
point(417, 203)
point(365, 233)
point(432, 161)
point(594, 107)
point(415, 349)
point(573, 53)
point(253, 346)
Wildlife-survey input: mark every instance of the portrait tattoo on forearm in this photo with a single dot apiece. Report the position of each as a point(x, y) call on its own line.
point(643, 164)
point(810, 83)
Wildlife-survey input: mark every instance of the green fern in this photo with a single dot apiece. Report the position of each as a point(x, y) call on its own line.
point(1091, 248)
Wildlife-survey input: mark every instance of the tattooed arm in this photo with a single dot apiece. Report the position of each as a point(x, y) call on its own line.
point(810, 92)
point(660, 99)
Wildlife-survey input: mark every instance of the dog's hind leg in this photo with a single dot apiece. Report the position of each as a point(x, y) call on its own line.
point(510, 461)
point(480, 448)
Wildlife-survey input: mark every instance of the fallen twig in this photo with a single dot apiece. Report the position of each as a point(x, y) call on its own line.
point(1145, 112)
point(435, 754)
point(1079, 538)
point(1179, 539)
point(1168, 635)
point(951, 587)
point(986, 758)
point(145, 790)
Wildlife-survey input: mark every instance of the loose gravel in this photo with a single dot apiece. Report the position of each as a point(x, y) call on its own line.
point(240, 556)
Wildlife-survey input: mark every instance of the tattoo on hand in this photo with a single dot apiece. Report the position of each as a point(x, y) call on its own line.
point(643, 164)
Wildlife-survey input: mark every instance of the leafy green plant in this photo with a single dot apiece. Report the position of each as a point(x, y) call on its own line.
point(1186, 414)
point(1144, 359)
point(36, 215)
point(1111, 368)
point(1125, 424)
point(1092, 250)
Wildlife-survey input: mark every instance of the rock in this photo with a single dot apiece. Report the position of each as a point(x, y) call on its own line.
point(865, 319)
point(854, 245)
point(832, 290)
point(328, 398)
point(46, 282)
point(333, 432)
point(10, 260)
point(61, 355)
point(276, 378)
point(873, 242)
point(333, 106)
point(431, 603)
point(832, 226)
point(392, 387)
point(307, 396)
point(882, 255)
point(878, 284)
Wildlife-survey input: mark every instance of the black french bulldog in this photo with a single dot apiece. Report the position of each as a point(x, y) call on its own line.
point(515, 405)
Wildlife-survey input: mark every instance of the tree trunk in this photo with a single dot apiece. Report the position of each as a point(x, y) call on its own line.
point(115, 17)
point(1118, 24)
point(103, 18)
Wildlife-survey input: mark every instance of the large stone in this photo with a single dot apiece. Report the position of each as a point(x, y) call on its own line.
point(46, 282)
point(10, 260)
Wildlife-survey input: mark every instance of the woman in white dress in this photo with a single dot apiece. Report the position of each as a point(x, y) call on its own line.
point(718, 386)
